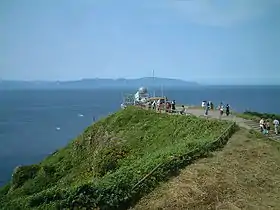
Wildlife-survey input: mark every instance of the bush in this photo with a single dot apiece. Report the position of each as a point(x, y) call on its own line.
point(257, 115)
point(45, 178)
point(108, 159)
point(22, 174)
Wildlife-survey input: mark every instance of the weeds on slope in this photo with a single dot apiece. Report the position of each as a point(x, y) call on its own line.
point(256, 116)
point(244, 175)
point(103, 165)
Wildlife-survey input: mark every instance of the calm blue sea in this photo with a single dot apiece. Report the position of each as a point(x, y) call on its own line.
point(29, 118)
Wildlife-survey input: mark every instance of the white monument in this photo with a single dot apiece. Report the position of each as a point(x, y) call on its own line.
point(141, 96)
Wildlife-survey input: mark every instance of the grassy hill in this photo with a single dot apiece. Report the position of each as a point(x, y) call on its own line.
point(110, 164)
point(244, 175)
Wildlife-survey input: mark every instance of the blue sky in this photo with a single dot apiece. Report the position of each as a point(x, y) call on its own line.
point(208, 41)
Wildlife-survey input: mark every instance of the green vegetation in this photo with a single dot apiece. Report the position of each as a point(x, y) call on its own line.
point(103, 166)
point(256, 116)
point(245, 174)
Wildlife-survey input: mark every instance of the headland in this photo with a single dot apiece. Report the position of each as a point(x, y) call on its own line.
point(125, 156)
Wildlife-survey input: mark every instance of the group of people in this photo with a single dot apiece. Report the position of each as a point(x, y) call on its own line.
point(159, 104)
point(221, 109)
point(208, 105)
point(265, 126)
point(170, 106)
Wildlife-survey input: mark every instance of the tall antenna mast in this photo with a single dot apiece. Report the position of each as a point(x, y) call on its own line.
point(154, 82)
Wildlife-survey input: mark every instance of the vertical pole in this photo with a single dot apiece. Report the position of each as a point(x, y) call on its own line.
point(154, 82)
point(164, 103)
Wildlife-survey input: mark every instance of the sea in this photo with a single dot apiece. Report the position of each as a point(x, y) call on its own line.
point(35, 123)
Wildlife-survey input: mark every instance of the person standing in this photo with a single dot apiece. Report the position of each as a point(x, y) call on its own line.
point(265, 131)
point(158, 105)
point(221, 109)
point(227, 110)
point(276, 124)
point(212, 105)
point(207, 108)
point(154, 105)
point(149, 105)
point(183, 111)
point(167, 107)
point(173, 105)
point(203, 104)
point(267, 124)
point(262, 124)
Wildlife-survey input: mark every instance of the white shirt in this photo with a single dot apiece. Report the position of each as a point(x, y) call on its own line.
point(261, 122)
point(203, 103)
point(158, 102)
point(276, 122)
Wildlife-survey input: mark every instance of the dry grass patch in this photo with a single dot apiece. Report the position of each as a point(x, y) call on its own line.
point(244, 175)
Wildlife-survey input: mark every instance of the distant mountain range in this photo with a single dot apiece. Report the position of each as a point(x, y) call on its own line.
point(96, 83)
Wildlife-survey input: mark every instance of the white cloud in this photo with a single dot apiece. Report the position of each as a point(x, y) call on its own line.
point(222, 12)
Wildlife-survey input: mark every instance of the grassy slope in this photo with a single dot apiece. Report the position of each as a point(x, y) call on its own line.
point(244, 175)
point(256, 116)
point(109, 157)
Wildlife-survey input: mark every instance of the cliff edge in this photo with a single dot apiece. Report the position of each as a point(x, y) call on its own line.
point(115, 161)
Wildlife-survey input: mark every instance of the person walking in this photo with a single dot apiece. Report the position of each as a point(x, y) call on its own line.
point(207, 106)
point(227, 110)
point(173, 106)
point(267, 124)
point(276, 124)
point(265, 131)
point(262, 124)
point(212, 105)
point(221, 109)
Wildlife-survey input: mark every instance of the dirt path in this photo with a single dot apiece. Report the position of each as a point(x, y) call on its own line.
point(248, 124)
point(215, 114)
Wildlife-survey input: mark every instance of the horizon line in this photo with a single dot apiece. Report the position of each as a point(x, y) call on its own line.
point(92, 78)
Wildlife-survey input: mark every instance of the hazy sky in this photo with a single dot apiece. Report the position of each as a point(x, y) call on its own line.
point(213, 41)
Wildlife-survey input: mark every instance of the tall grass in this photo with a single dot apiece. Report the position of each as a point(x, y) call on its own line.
point(102, 166)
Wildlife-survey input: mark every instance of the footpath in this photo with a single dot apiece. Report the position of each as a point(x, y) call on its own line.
point(248, 124)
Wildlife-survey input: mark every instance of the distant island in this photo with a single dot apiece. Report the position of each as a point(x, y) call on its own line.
point(96, 83)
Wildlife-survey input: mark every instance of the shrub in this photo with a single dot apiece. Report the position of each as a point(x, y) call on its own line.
point(22, 174)
point(108, 159)
point(258, 115)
